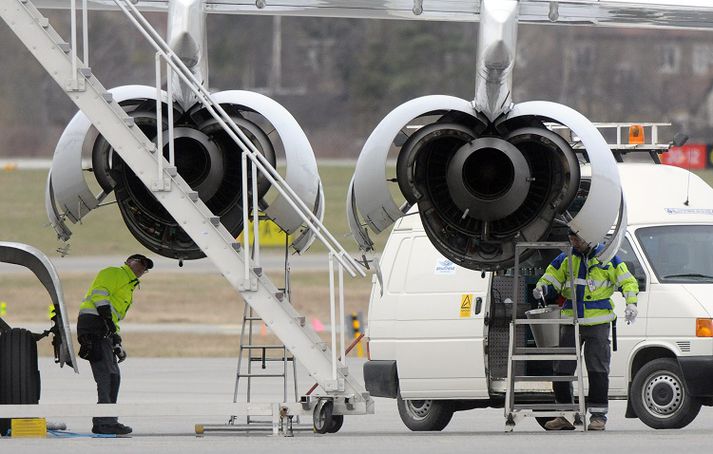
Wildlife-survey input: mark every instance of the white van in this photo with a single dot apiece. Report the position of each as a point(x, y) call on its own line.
point(436, 355)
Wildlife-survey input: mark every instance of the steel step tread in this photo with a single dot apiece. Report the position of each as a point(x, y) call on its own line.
point(261, 375)
point(259, 359)
point(265, 346)
point(545, 350)
point(552, 378)
point(560, 357)
point(547, 407)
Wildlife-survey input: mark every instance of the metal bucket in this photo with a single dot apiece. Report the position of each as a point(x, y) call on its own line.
point(545, 335)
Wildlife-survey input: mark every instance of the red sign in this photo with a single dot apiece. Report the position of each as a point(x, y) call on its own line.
point(693, 156)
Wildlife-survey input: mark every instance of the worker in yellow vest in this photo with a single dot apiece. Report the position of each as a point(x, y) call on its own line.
point(595, 282)
point(104, 306)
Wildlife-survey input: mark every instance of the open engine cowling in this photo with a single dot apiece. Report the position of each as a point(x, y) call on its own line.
point(205, 157)
point(482, 186)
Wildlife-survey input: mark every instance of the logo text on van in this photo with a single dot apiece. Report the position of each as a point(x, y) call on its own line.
point(444, 266)
point(707, 211)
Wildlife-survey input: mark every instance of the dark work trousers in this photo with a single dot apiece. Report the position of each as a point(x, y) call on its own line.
point(597, 356)
point(106, 374)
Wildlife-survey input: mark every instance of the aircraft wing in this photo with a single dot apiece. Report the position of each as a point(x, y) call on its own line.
point(692, 14)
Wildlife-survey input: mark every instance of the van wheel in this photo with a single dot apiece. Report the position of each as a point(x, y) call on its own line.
point(19, 374)
point(421, 415)
point(659, 396)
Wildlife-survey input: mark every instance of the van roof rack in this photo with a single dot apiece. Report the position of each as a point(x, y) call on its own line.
point(612, 132)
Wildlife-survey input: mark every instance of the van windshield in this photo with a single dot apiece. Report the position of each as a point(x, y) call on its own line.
point(679, 253)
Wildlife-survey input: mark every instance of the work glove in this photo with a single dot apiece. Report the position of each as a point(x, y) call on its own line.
point(119, 352)
point(115, 339)
point(630, 313)
point(539, 292)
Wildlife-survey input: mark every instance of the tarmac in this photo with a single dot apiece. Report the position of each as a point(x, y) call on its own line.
point(185, 380)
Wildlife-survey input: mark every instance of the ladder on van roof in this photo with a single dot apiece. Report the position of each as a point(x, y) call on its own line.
point(624, 138)
point(515, 411)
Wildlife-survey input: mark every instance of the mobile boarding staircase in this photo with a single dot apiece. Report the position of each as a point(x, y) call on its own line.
point(341, 393)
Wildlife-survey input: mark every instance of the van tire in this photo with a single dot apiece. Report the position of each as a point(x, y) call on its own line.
point(19, 374)
point(659, 395)
point(425, 415)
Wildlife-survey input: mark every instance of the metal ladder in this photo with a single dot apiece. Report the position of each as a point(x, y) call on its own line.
point(248, 347)
point(574, 412)
point(182, 202)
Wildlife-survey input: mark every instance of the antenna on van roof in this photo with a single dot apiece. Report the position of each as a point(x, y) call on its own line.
point(680, 139)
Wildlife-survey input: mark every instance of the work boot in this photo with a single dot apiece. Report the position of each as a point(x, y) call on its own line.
point(597, 423)
point(111, 429)
point(559, 423)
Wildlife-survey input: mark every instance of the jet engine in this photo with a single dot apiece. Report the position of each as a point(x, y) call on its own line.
point(205, 157)
point(483, 186)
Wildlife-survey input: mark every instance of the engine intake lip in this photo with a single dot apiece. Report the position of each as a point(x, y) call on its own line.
point(488, 178)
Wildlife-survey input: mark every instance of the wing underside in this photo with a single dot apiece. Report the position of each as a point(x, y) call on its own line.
point(690, 14)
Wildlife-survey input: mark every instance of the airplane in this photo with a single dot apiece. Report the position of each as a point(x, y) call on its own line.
point(521, 177)
point(485, 172)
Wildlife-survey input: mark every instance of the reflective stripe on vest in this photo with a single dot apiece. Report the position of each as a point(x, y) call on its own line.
point(88, 310)
point(553, 281)
point(597, 320)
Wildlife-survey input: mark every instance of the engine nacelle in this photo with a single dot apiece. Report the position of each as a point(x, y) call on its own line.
point(205, 157)
point(481, 186)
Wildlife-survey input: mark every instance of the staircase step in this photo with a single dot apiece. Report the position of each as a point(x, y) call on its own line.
point(86, 72)
point(560, 357)
point(545, 350)
point(215, 220)
point(64, 47)
point(261, 346)
point(547, 407)
point(259, 359)
point(108, 96)
point(43, 21)
point(193, 196)
point(537, 378)
point(261, 375)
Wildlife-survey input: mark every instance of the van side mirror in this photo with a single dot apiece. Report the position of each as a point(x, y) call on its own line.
point(680, 139)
